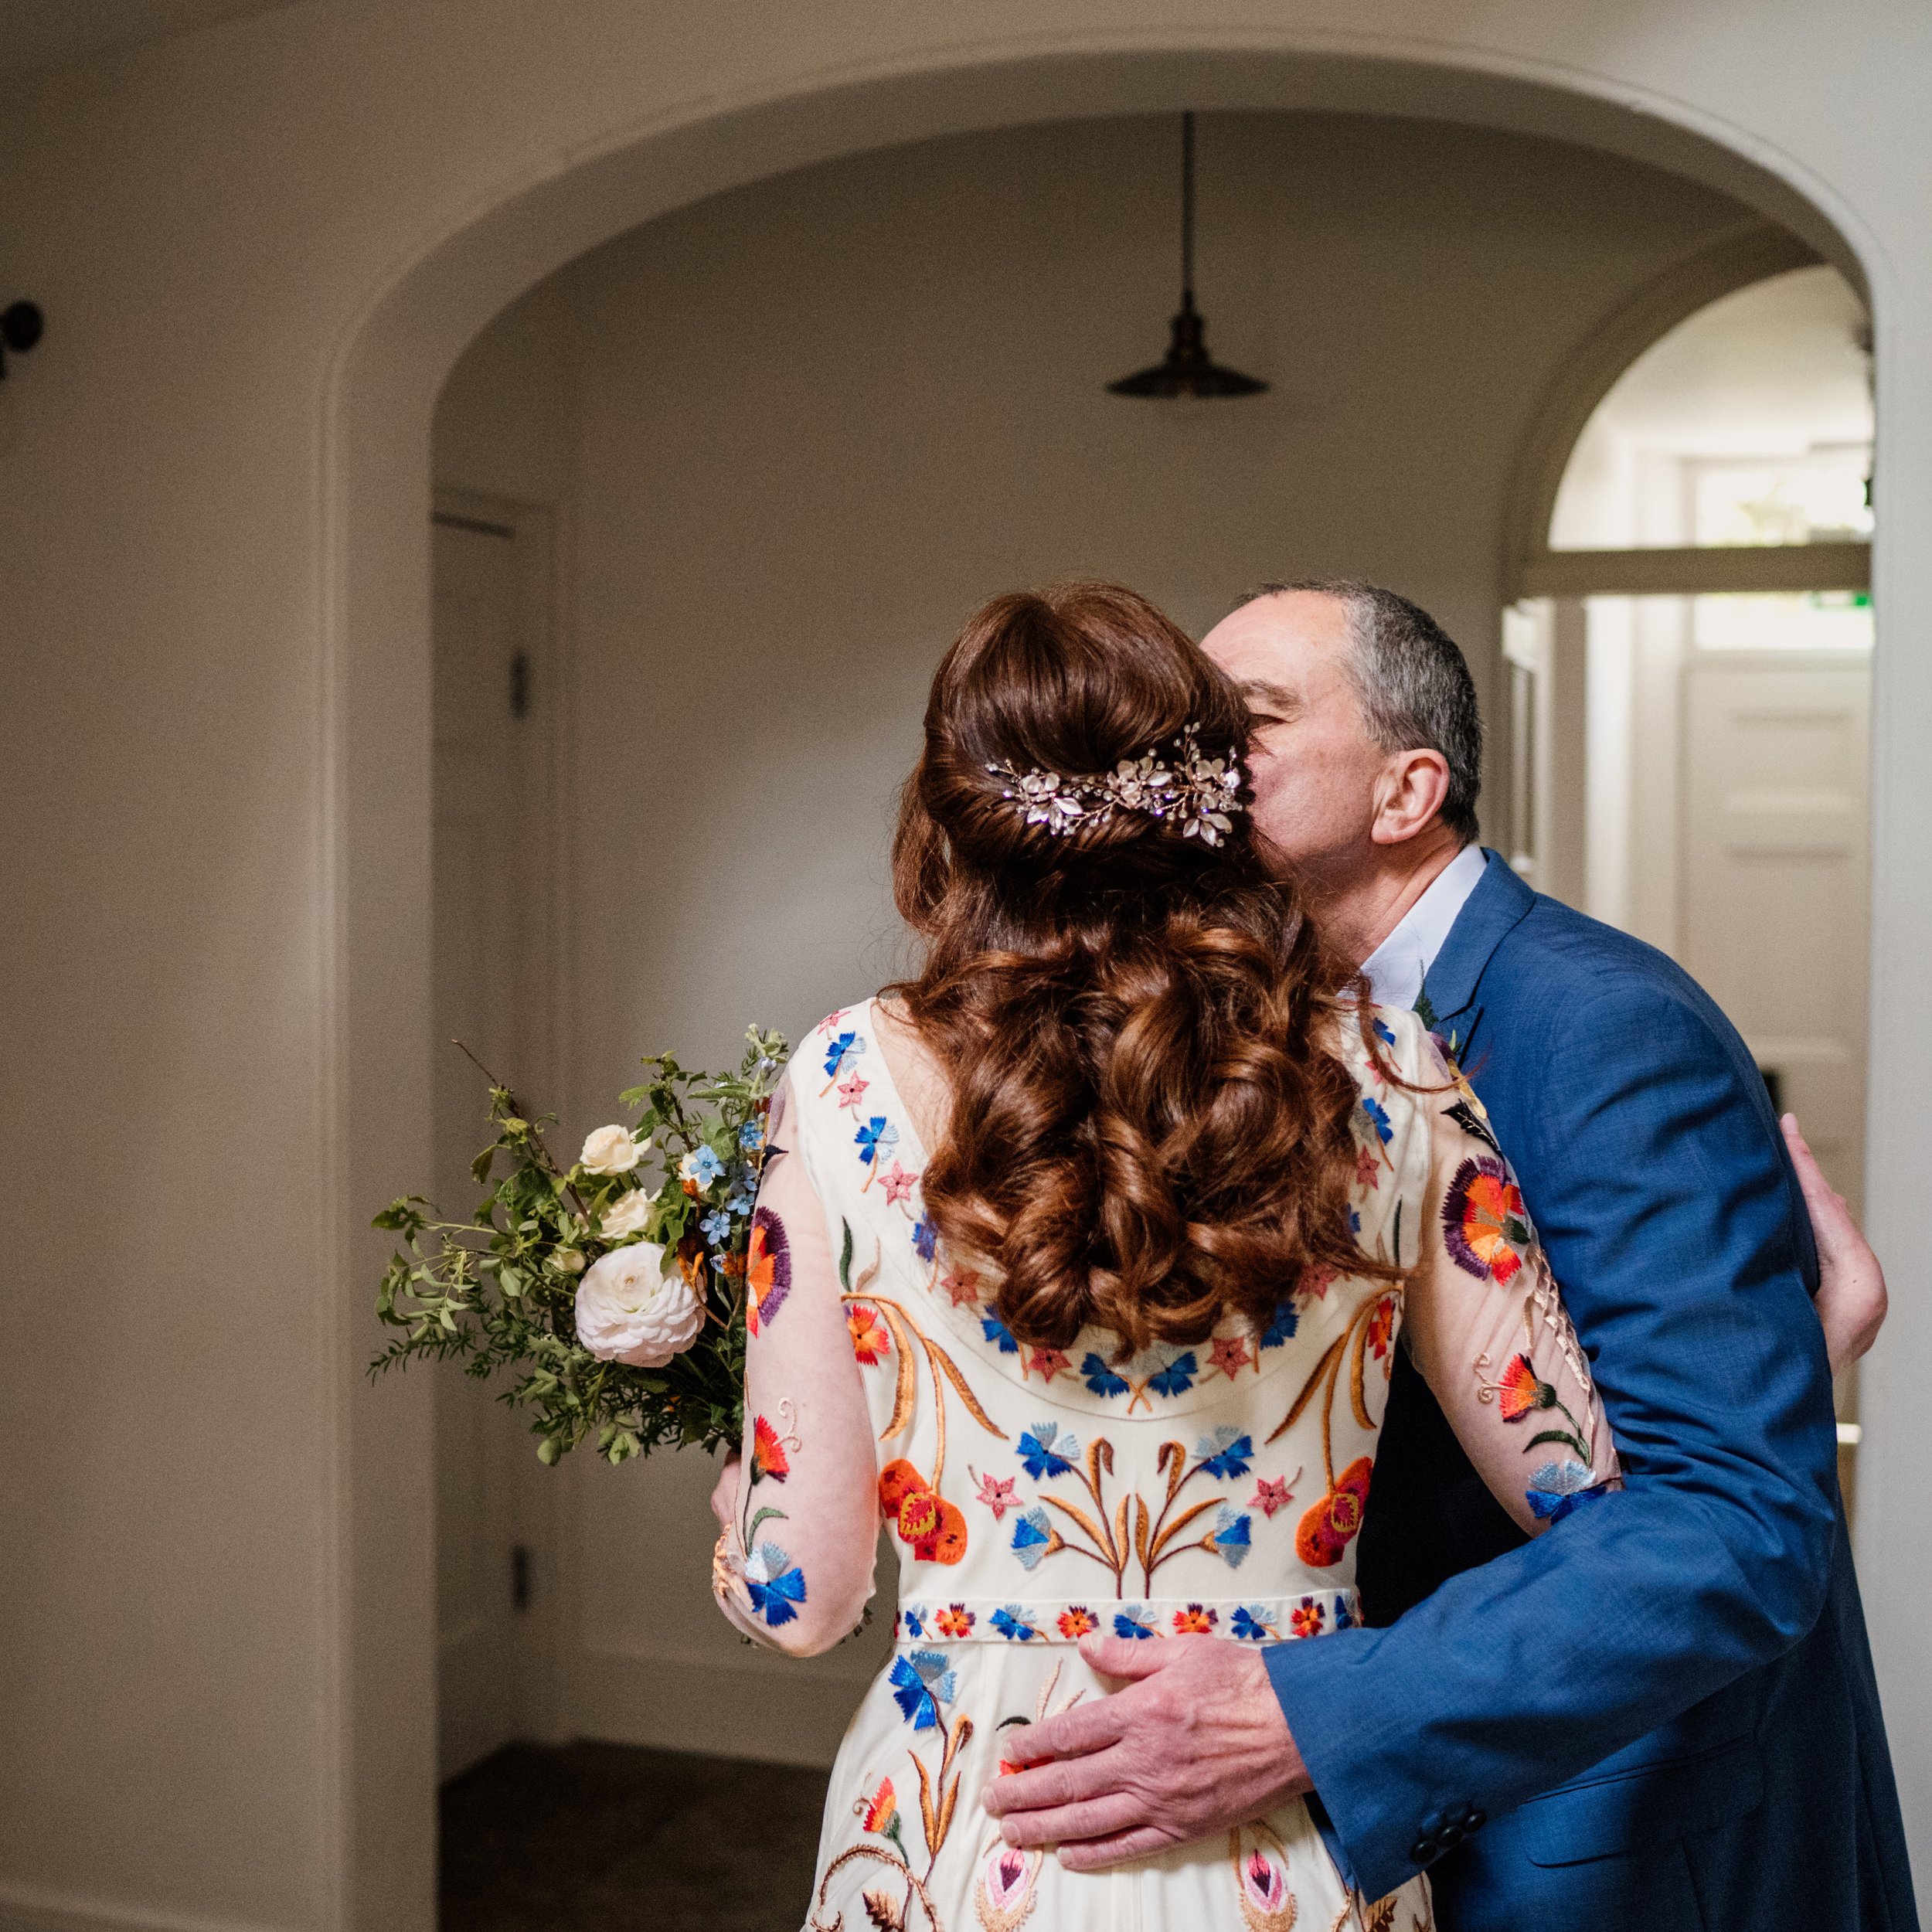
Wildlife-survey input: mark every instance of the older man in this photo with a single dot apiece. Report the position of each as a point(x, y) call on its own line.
point(1664, 1713)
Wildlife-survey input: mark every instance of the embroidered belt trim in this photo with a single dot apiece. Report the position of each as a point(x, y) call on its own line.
point(1257, 1620)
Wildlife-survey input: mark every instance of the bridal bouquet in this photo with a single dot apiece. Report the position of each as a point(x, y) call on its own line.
point(612, 1292)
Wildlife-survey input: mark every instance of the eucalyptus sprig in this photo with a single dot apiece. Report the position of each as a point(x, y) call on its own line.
point(498, 1292)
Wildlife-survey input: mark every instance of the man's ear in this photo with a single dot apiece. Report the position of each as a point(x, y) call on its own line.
point(1410, 792)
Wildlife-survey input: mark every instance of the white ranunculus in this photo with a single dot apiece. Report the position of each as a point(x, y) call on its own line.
point(628, 1310)
point(610, 1150)
point(627, 1215)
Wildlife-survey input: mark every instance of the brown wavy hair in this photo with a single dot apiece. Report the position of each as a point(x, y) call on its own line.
point(1150, 1119)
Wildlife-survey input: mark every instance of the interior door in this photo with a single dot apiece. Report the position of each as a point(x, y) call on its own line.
point(1776, 867)
point(485, 990)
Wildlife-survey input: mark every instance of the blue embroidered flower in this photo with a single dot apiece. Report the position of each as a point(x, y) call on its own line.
point(1010, 1620)
point(1355, 1222)
point(777, 1585)
point(1249, 1624)
point(717, 1227)
point(1227, 1453)
point(751, 1136)
point(1177, 1378)
point(878, 1136)
point(1032, 1538)
point(1048, 1449)
point(925, 1239)
point(845, 1046)
point(914, 1617)
point(1100, 1379)
point(1229, 1539)
point(1281, 1326)
point(1556, 1488)
point(1385, 1032)
point(922, 1682)
point(1134, 1620)
point(700, 1165)
point(1344, 1615)
point(995, 1330)
point(1379, 1115)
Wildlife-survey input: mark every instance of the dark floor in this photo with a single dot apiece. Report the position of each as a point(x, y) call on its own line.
point(607, 1838)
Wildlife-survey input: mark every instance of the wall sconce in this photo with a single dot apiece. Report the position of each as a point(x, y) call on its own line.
point(21, 325)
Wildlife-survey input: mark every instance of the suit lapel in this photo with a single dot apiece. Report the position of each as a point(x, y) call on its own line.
point(1448, 1002)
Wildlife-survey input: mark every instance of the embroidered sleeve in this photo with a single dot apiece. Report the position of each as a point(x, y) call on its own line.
point(794, 1567)
point(1485, 1323)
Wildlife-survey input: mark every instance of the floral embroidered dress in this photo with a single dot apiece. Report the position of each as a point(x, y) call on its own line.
point(1036, 1494)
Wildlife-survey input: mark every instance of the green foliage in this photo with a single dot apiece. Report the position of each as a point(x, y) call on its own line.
point(497, 1292)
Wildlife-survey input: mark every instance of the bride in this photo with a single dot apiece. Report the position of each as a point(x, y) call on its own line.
point(1082, 1256)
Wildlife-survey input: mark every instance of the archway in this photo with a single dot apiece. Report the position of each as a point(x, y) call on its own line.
point(388, 379)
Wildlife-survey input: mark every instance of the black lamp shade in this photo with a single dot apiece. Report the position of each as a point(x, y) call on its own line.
point(1187, 369)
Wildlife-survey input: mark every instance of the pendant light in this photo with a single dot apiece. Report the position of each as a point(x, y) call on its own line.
point(1187, 369)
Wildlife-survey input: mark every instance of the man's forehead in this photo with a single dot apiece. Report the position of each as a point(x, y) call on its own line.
point(1281, 646)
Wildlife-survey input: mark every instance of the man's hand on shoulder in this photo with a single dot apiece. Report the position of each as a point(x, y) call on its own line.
point(1851, 1287)
point(1195, 1742)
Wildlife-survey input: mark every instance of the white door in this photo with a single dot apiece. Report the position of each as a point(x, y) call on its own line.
point(490, 1498)
point(1775, 868)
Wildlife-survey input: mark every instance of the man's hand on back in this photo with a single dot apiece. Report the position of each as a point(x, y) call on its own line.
point(1850, 1288)
point(1195, 1744)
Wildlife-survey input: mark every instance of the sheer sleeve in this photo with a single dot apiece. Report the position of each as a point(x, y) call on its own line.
point(794, 1570)
point(1485, 1323)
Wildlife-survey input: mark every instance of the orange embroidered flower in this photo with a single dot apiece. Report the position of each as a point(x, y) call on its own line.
point(1484, 1221)
point(954, 1620)
point(1307, 1618)
point(1077, 1620)
point(1195, 1621)
point(768, 1457)
point(881, 1810)
point(921, 1516)
point(1381, 1327)
point(1330, 1526)
point(1520, 1389)
point(767, 1269)
point(869, 1338)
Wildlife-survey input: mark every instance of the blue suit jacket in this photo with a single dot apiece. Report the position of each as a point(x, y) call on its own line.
point(1661, 1714)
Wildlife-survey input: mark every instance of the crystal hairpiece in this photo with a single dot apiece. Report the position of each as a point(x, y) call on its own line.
point(1199, 791)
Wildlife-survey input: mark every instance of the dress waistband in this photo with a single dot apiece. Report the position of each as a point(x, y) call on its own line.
point(1256, 1620)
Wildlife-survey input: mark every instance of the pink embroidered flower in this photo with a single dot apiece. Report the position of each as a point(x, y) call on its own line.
point(830, 1023)
point(1046, 1362)
point(1077, 1620)
point(1368, 1169)
point(1307, 1618)
point(954, 1620)
point(997, 1494)
point(1264, 1881)
point(1229, 1353)
point(1270, 1494)
point(898, 1181)
point(851, 1089)
point(1316, 1280)
point(961, 1286)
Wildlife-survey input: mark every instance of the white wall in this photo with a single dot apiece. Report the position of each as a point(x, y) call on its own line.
point(260, 248)
point(812, 422)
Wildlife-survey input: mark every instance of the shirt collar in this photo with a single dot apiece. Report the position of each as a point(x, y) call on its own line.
point(1396, 969)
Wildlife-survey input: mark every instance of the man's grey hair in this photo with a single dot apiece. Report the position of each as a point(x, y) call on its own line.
point(1412, 682)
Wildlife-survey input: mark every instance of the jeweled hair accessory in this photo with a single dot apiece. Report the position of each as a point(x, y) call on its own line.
point(1202, 792)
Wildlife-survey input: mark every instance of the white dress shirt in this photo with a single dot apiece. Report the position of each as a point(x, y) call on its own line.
point(1396, 968)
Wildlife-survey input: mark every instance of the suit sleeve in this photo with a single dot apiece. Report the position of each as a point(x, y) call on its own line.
point(1656, 1184)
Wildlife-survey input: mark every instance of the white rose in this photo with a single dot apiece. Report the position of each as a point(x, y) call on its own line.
point(627, 1215)
point(610, 1150)
point(628, 1310)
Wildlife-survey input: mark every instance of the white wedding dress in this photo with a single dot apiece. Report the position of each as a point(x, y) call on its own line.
point(1036, 1494)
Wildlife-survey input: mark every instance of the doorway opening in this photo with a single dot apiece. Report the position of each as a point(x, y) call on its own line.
point(1692, 692)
